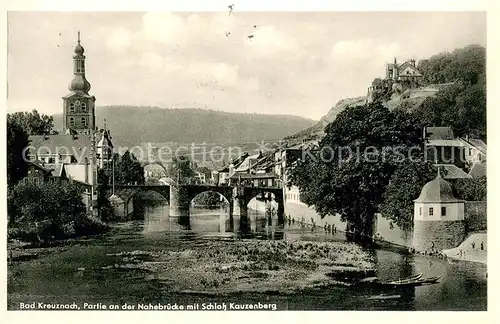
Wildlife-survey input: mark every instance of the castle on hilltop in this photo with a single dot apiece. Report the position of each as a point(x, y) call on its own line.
point(399, 77)
point(405, 72)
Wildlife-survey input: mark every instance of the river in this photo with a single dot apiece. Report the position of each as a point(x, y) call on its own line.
point(54, 277)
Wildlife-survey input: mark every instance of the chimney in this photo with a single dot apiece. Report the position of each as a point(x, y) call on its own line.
point(86, 170)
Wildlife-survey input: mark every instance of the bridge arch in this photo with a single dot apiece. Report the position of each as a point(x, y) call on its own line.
point(195, 191)
point(129, 191)
point(246, 194)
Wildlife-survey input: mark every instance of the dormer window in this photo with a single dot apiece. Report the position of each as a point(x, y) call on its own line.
point(72, 107)
point(71, 121)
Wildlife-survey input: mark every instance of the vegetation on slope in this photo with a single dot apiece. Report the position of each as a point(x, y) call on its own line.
point(132, 125)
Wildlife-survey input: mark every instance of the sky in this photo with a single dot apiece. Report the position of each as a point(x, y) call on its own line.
point(296, 63)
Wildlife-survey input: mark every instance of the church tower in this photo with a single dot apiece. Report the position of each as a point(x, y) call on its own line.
point(79, 105)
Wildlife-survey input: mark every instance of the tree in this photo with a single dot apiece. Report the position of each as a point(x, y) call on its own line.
point(52, 210)
point(474, 189)
point(463, 104)
point(33, 123)
point(381, 90)
point(182, 169)
point(349, 173)
point(17, 141)
point(128, 170)
point(405, 186)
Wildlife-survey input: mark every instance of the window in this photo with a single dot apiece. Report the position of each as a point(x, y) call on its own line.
point(72, 121)
point(470, 151)
point(443, 211)
point(84, 121)
point(420, 211)
point(72, 107)
point(84, 107)
point(431, 211)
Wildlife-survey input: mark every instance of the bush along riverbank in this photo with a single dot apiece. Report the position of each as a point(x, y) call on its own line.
point(46, 213)
point(226, 266)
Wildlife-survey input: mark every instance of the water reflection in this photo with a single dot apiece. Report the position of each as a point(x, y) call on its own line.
point(462, 285)
point(213, 221)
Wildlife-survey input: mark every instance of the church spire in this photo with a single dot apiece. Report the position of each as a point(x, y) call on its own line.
point(79, 82)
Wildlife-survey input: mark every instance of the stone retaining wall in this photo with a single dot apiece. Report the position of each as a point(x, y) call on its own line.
point(444, 234)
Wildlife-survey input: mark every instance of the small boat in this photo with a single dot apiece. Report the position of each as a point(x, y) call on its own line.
point(377, 279)
point(411, 283)
point(408, 279)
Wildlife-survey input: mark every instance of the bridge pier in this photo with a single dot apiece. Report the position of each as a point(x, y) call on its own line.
point(179, 201)
point(240, 207)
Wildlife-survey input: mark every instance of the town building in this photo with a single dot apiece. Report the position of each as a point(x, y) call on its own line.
point(203, 175)
point(81, 148)
point(458, 156)
point(223, 176)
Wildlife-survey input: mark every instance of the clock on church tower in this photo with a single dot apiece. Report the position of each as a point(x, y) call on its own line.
point(79, 105)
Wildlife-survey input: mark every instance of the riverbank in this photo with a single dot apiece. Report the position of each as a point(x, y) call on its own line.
point(227, 266)
point(473, 249)
point(224, 266)
point(133, 263)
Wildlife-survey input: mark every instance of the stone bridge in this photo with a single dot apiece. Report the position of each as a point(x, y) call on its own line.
point(179, 196)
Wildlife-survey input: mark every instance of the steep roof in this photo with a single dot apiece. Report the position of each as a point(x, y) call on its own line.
point(76, 145)
point(237, 161)
point(478, 170)
point(445, 142)
point(453, 172)
point(248, 162)
point(477, 143)
point(105, 139)
point(437, 191)
point(39, 166)
point(442, 133)
point(57, 170)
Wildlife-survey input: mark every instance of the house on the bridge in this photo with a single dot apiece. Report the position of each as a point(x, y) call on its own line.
point(264, 179)
point(257, 170)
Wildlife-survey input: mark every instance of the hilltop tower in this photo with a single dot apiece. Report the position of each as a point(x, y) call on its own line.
point(79, 105)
